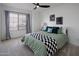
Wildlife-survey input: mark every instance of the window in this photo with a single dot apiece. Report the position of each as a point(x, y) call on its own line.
point(17, 21)
point(22, 21)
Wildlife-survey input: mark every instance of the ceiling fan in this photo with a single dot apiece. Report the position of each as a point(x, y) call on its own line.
point(42, 6)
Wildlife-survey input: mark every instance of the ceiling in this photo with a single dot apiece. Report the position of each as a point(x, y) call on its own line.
point(30, 6)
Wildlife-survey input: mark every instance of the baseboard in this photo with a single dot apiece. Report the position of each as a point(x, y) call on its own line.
point(74, 43)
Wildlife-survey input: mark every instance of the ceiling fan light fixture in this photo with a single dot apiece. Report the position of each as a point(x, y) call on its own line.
point(37, 6)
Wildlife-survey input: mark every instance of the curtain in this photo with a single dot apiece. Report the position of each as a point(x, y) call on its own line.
point(28, 24)
point(7, 25)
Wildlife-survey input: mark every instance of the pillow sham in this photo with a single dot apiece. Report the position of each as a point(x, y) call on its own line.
point(44, 28)
point(64, 29)
point(60, 31)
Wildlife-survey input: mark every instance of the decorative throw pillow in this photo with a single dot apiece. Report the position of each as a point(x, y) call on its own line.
point(49, 30)
point(55, 30)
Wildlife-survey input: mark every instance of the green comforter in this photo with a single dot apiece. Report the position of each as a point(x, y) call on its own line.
point(38, 47)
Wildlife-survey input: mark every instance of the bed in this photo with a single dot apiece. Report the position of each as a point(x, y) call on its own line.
point(38, 47)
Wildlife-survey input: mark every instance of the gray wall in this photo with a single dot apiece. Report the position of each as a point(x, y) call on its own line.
point(70, 13)
point(0, 22)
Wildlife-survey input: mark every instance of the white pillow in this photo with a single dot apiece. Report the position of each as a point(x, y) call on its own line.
point(64, 30)
point(44, 28)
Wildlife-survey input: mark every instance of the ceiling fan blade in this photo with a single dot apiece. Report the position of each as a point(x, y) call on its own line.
point(44, 6)
point(36, 4)
point(35, 7)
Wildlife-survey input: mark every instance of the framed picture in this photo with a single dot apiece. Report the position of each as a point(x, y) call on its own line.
point(52, 17)
point(59, 20)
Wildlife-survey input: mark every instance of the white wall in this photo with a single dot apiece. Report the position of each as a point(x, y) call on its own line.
point(34, 18)
point(70, 13)
point(36, 21)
